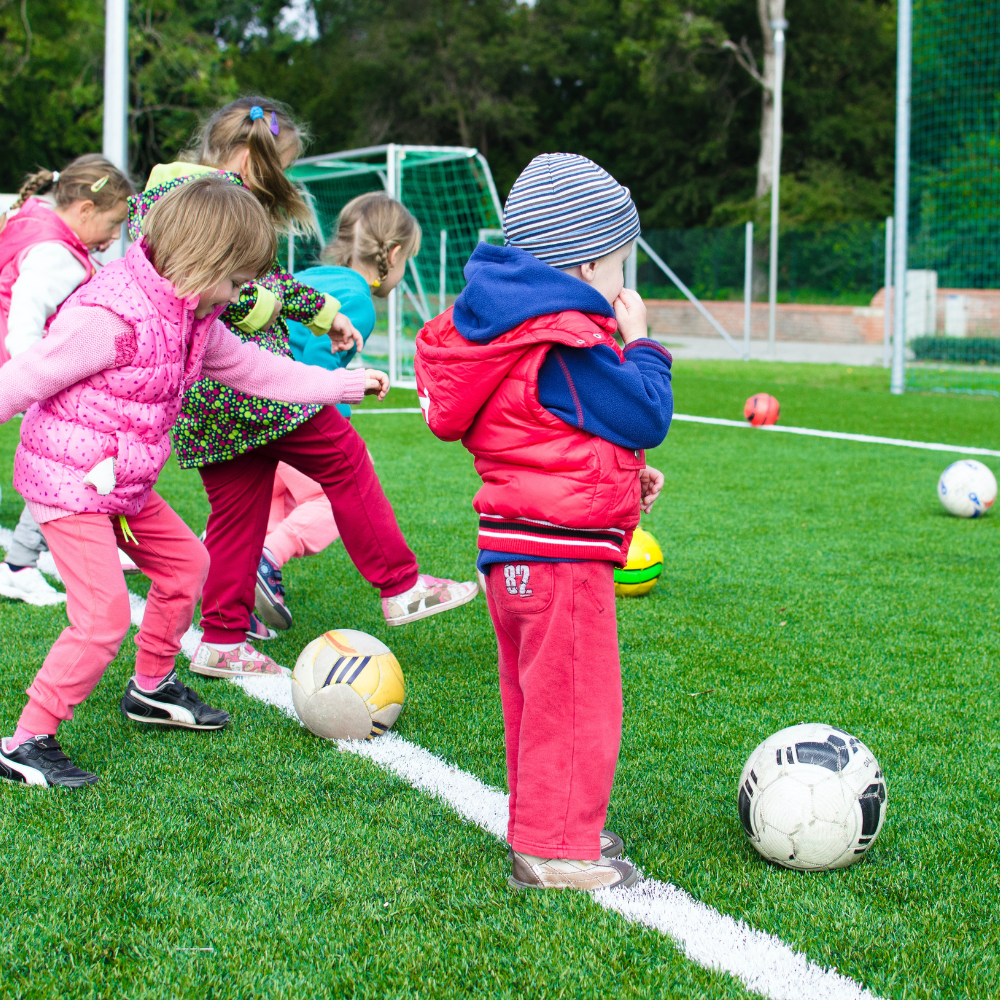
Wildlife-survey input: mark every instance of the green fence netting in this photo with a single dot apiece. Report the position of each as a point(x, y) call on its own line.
point(841, 264)
point(954, 218)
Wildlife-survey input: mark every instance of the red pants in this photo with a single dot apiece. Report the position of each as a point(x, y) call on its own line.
point(85, 550)
point(561, 689)
point(325, 448)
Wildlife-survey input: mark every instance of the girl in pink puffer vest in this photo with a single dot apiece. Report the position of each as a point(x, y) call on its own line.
point(46, 238)
point(102, 391)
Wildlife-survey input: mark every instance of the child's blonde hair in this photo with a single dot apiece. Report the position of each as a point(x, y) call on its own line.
point(207, 230)
point(368, 227)
point(87, 178)
point(231, 129)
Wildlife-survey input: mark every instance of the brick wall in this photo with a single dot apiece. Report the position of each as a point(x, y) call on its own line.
point(816, 324)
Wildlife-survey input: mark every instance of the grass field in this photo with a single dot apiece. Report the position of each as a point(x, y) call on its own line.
point(805, 580)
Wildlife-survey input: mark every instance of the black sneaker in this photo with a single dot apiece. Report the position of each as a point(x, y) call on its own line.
point(269, 595)
point(41, 761)
point(171, 704)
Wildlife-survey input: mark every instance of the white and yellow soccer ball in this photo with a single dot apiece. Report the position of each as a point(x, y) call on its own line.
point(967, 488)
point(812, 797)
point(347, 685)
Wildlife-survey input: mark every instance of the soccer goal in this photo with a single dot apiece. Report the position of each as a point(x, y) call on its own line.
point(451, 192)
point(952, 307)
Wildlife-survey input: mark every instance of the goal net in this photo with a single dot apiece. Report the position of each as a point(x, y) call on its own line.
point(449, 189)
point(953, 267)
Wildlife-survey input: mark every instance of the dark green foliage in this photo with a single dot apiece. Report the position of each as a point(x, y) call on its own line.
point(642, 86)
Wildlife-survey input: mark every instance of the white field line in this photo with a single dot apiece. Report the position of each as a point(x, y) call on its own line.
point(713, 940)
point(839, 435)
point(804, 431)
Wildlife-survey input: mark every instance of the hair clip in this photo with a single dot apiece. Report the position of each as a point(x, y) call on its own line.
point(274, 124)
point(97, 185)
point(256, 112)
point(55, 176)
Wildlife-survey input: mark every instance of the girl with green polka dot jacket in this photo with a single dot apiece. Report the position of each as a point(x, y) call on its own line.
point(236, 441)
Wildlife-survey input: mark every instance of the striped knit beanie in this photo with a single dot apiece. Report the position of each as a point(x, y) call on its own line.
point(566, 210)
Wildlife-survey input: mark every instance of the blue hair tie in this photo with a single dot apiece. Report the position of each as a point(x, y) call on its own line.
point(256, 112)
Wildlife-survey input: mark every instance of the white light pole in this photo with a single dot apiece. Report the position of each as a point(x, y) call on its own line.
point(904, 26)
point(116, 93)
point(778, 26)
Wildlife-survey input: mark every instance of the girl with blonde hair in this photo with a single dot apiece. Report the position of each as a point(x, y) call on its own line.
point(236, 439)
point(102, 392)
point(46, 240)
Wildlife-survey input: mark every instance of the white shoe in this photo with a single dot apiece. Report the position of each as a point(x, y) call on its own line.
point(28, 585)
point(128, 567)
point(428, 596)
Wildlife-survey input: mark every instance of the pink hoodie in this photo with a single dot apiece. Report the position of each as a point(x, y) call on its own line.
point(109, 379)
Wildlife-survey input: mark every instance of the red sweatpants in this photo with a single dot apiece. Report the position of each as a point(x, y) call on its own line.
point(561, 689)
point(85, 550)
point(329, 450)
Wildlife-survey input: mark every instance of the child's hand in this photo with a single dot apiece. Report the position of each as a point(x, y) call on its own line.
point(650, 482)
point(378, 382)
point(343, 335)
point(275, 313)
point(630, 311)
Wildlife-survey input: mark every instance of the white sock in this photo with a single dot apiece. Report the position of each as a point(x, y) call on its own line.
point(223, 647)
point(270, 555)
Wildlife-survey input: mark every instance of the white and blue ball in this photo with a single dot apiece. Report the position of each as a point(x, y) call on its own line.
point(967, 488)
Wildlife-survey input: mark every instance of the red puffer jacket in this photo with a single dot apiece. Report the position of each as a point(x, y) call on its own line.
point(549, 489)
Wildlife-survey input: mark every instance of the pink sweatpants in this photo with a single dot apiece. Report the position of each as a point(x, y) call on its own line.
point(301, 521)
point(561, 690)
point(84, 547)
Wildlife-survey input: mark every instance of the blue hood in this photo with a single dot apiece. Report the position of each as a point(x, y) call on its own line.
point(507, 286)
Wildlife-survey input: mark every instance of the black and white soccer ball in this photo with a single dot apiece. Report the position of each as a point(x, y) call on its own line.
point(812, 797)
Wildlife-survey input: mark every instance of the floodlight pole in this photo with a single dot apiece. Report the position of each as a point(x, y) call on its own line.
point(887, 304)
point(778, 26)
point(904, 42)
point(747, 290)
point(115, 144)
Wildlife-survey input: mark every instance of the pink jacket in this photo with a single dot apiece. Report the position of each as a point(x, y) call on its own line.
point(34, 223)
point(110, 377)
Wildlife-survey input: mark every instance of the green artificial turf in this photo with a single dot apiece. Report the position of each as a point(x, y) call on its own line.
point(805, 580)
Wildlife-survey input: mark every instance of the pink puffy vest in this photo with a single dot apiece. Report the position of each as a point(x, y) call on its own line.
point(124, 412)
point(533, 465)
point(34, 223)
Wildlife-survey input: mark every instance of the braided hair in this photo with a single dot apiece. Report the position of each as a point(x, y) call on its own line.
point(368, 229)
point(87, 178)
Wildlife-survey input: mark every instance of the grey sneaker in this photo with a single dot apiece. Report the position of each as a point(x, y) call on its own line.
point(529, 872)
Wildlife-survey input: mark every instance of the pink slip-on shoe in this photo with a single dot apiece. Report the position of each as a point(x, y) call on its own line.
point(428, 596)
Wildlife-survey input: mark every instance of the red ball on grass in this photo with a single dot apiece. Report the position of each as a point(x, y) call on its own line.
point(761, 409)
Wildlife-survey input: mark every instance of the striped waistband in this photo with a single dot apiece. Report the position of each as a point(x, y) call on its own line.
point(526, 536)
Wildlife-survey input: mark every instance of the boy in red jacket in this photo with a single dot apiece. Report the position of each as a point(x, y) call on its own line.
point(526, 371)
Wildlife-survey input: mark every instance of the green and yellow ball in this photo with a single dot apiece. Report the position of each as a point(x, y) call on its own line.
point(645, 563)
